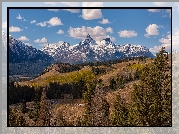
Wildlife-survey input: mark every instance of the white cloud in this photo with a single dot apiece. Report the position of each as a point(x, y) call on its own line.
point(25, 27)
point(19, 17)
point(97, 33)
point(51, 3)
point(90, 14)
point(60, 31)
point(55, 21)
point(33, 21)
point(43, 40)
point(72, 10)
point(23, 38)
point(55, 10)
point(14, 29)
point(160, 4)
point(42, 24)
point(127, 34)
point(166, 42)
point(104, 21)
point(4, 24)
point(109, 30)
point(152, 29)
point(154, 10)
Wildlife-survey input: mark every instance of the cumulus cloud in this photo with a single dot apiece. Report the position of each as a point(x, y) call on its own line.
point(19, 17)
point(154, 10)
point(97, 33)
point(160, 4)
point(33, 21)
point(55, 21)
point(42, 24)
point(166, 42)
point(4, 24)
point(109, 30)
point(127, 34)
point(152, 29)
point(90, 14)
point(23, 38)
point(14, 29)
point(60, 31)
point(104, 21)
point(43, 40)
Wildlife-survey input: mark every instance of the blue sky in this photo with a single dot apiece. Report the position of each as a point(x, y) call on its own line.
point(150, 28)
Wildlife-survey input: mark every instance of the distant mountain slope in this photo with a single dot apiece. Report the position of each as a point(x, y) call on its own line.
point(19, 52)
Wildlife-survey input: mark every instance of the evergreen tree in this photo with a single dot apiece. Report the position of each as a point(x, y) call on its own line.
point(87, 97)
point(120, 112)
point(113, 84)
point(44, 112)
point(152, 96)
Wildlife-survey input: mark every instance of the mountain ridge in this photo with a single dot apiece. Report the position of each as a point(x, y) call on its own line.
point(87, 50)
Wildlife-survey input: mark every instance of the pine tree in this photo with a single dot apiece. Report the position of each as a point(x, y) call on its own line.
point(44, 112)
point(87, 97)
point(152, 96)
point(113, 84)
point(120, 112)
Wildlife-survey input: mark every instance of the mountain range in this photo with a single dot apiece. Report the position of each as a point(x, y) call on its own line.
point(87, 50)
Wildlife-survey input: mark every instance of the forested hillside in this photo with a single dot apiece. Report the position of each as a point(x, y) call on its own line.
point(125, 92)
